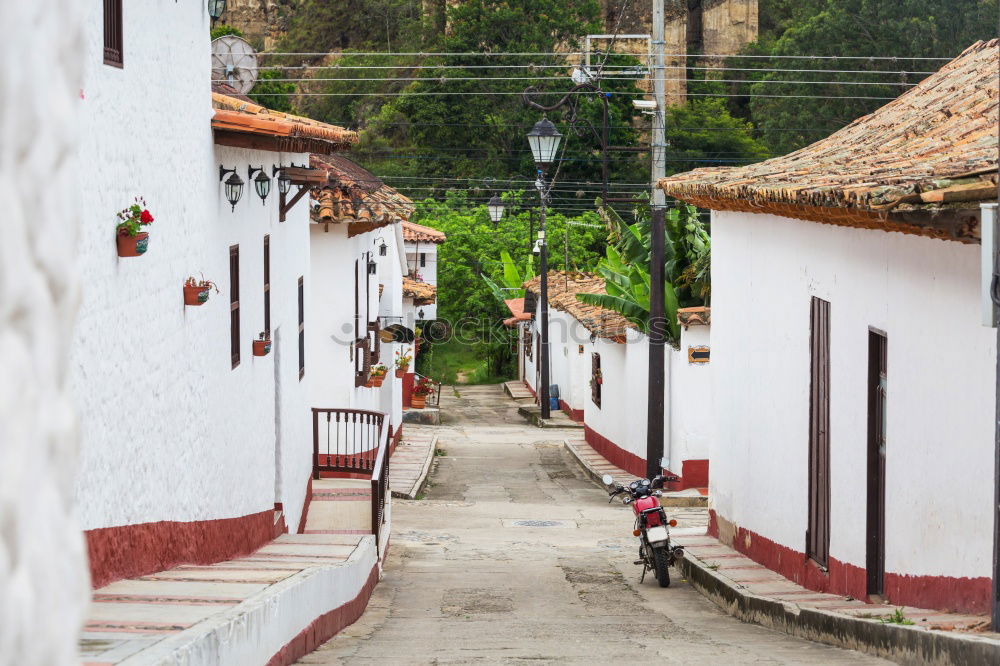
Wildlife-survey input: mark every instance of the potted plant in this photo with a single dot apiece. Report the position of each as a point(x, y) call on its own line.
point(598, 377)
point(377, 375)
point(262, 345)
point(132, 240)
point(423, 388)
point(196, 291)
point(403, 359)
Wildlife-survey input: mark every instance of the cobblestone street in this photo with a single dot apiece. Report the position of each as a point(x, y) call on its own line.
point(465, 583)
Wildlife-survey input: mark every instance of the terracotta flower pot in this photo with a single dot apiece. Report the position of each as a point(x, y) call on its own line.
point(418, 401)
point(261, 347)
point(133, 246)
point(402, 370)
point(195, 295)
point(377, 381)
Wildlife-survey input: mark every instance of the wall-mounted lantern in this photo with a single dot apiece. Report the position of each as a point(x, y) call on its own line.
point(420, 313)
point(284, 182)
point(215, 9)
point(234, 185)
point(261, 183)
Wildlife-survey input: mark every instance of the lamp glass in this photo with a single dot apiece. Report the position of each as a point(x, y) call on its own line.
point(284, 182)
point(234, 189)
point(544, 140)
point(495, 208)
point(262, 183)
point(215, 8)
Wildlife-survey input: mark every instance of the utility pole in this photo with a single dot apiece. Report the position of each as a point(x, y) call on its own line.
point(657, 322)
point(543, 351)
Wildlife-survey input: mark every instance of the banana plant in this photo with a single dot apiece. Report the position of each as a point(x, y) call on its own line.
point(511, 278)
point(625, 268)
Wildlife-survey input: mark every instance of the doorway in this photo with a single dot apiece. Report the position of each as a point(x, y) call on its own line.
point(875, 524)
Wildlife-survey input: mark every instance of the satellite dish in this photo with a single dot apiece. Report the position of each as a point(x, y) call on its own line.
point(234, 62)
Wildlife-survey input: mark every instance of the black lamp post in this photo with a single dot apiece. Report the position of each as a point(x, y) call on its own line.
point(215, 9)
point(544, 141)
point(262, 183)
point(234, 185)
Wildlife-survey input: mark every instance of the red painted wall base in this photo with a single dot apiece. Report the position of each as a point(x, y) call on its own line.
point(534, 394)
point(129, 551)
point(963, 595)
point(694, 472)
point(574, 414)
point(407, 380)
point(326, 626)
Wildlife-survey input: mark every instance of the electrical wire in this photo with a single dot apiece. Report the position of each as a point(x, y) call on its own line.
point(442, 80)
point(427, 54)
point(607, 73)
point(545, 92)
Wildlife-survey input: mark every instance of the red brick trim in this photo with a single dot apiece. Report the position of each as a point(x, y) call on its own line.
point(614, 454)
point(326, 626)
point(574, 414)
point(694, 474)
point(963, 595)
point(129, 551)
point(396, 436)
point(305, 505)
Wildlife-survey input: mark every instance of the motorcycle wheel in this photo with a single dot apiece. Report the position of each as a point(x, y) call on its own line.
point(660, 566)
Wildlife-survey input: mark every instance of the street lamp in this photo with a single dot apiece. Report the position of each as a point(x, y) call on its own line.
point(544, 141)
point(262, 183)
point(284, 182)
point(495, 208)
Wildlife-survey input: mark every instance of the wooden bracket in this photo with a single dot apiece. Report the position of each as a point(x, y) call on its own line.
point(284, 207)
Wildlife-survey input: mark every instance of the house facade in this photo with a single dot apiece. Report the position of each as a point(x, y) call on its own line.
point(356, 248)
point(421, 244)
point(850, 366)
point(600, 364)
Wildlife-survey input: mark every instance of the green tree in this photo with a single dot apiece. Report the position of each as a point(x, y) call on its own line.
point(273, 94)
point(904, 28)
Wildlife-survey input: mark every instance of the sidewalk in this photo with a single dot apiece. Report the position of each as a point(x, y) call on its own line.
point(753, 593)
point(597, 466)
point(266, 608)
point(409, 465)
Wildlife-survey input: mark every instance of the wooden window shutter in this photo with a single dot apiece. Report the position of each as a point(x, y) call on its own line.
point(113, 33)
point(302, 328)
point(234, 304)
point(267, 284)
point(595, 378)
point(818, 530)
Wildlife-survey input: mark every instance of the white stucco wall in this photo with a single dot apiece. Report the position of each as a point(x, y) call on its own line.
point(569, 369)
point(170, 431)
point(44, 585)
point(691, 399)
point(332, 264)
point(428, 272)
point(924, 294)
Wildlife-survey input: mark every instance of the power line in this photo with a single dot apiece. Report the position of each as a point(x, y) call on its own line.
point(547, 92)
point(607, 73)
point(439, 79)
point(501, 54)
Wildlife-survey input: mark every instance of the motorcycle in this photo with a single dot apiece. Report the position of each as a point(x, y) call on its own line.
point(656, 552)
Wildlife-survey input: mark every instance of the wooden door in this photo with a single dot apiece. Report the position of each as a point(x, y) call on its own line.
point(875, 524)
point(818, 530)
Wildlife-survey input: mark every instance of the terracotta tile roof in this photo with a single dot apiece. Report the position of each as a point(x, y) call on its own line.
point(918, 165)
point(355, 196)
point(563, 289)
point(248, 125)
point(229, 91)
point(418, 233)
point(516, 307)
point(700, 315)
point(421, 292)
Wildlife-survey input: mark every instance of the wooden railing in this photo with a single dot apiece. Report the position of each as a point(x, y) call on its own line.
point(434, 398)
point(355, 441)
point(380, 485)
point(346, 440)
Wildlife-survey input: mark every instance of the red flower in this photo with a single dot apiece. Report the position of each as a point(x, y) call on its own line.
point(146, 217)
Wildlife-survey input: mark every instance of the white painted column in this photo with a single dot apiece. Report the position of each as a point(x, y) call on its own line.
point(44, 586)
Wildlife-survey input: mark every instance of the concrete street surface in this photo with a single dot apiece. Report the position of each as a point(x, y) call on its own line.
point(466, 583)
